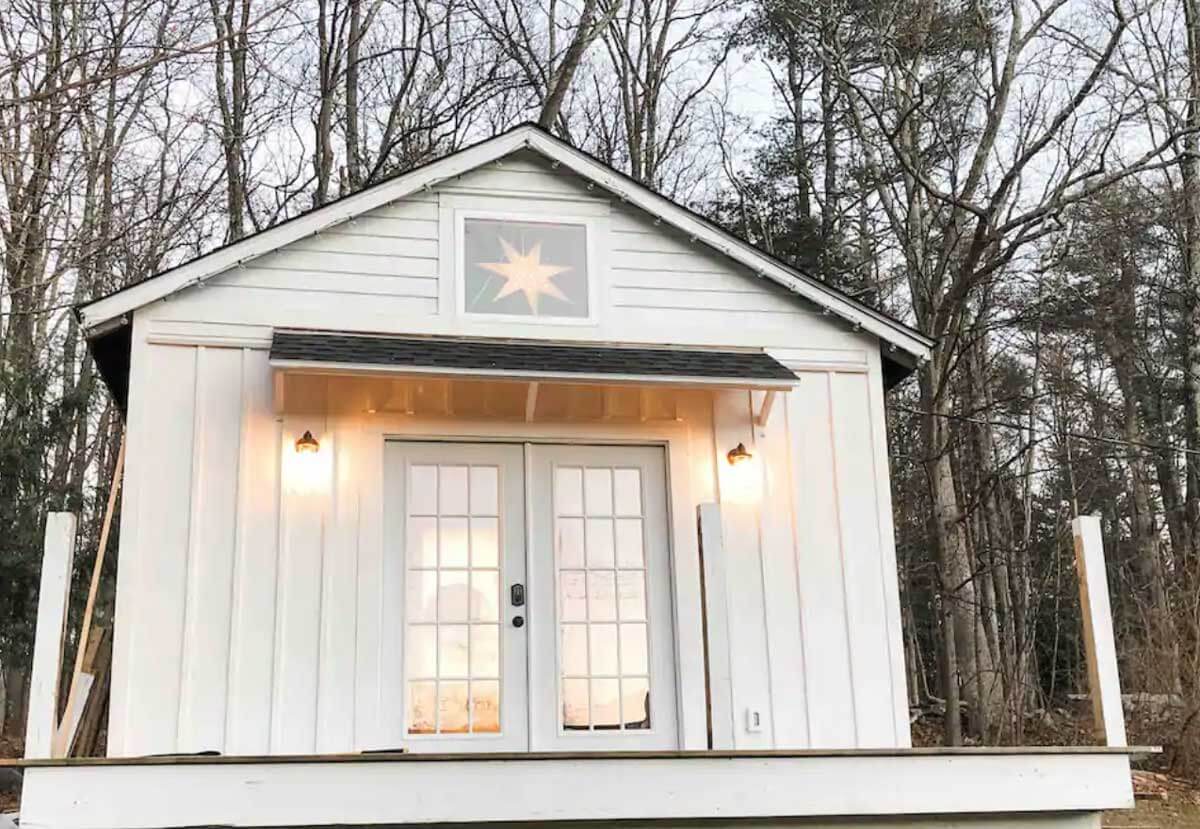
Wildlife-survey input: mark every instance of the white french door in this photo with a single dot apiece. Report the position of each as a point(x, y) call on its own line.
point(536, 599)
point(602, 650)
point(462, 544)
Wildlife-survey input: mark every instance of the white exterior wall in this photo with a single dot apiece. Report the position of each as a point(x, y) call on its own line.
point(253, 620)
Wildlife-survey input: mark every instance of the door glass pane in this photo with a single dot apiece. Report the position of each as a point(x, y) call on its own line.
point(485, 706)
point(568, 490)
point(452, 596)
point(485, 490)
point(597, 491)
point(452, 707)
point(422, 542)
point(453, 651)
point(453, 600)
point(634, 658)
point(422, 490)
point(485, 595)
point(635, 702)
point(602, 596)
point(627, 491)
point(422, 707)
point(453, 542)
point(422, 596)
point(603, 639)
point(485, 542)
point(603, 644)
point(606, 703)
point(629, 542)
point(422, 651)
point(485, 650)
point(599, 542)
point(452, 490)
point(569, 542)
point(631, 594)
point(574, 656)
point(575, 714)
point(572, 596)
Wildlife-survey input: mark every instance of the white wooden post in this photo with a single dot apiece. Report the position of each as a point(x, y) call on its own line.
point(718, 673)
point(57, 559)
point(1103, 680)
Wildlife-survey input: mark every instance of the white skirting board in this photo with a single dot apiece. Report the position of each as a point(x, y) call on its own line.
point(479, 790)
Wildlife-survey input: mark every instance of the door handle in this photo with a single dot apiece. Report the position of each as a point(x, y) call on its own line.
point(517, 594)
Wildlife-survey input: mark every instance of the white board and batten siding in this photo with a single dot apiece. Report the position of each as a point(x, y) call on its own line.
point(816, 556)
point(252, 619)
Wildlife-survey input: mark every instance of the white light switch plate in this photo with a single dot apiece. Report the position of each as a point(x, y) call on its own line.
point(754, 720)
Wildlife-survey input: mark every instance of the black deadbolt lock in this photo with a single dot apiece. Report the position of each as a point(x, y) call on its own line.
point(518, 621)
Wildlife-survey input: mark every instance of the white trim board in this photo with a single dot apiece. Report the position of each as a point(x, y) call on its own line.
point(917, 346)
point(600, 789)
point(571, 378)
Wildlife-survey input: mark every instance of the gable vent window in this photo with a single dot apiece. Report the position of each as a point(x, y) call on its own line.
point(526, 269)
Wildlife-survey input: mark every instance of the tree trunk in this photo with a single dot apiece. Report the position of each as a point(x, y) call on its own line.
point(560, 79)
point(954, 571)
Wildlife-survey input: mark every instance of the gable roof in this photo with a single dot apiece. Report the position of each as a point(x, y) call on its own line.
point(906, 345)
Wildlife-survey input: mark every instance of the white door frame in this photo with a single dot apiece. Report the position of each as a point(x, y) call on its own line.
point(683, 493)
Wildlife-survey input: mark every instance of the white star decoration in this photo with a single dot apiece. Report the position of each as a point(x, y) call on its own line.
point(525, 272)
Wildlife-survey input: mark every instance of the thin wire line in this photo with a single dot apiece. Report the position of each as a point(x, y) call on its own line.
point(1157, 447)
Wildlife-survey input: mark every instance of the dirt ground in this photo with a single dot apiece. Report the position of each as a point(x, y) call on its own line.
point(1161, 803)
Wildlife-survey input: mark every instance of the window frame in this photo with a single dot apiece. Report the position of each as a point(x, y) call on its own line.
point(592, 225)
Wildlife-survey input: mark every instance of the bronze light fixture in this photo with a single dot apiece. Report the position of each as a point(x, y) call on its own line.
point(307, 444)
point(738, 454)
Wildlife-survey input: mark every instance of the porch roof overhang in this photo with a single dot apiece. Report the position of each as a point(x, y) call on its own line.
point(414, 789)
point(530, 361)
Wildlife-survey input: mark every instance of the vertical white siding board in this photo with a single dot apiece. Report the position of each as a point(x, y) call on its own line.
point(194, 508)
point(889, 571)
point(700, 470)
point(336, 694)
point(54, 592)
point(828, 679)
point(130, 556)
point(371, 728)
point(252, 629)
point(1104, 680)
point(685, 599)
point(298, 614)
point(750, 662)
point(780, 592)
point(164, 511)
point(391, 526)
point(866, 611)
point(209, 605)
point(720, 678)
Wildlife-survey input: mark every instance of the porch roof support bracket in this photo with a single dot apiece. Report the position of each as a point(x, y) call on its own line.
point(764, 413)
point(531, 396)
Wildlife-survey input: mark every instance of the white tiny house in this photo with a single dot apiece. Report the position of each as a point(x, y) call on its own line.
point(511, 470)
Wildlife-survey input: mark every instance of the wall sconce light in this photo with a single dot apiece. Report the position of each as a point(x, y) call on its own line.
point(738, 454)
point(307, 444)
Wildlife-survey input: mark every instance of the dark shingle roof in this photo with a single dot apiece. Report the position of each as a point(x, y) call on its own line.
point(523, 358)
